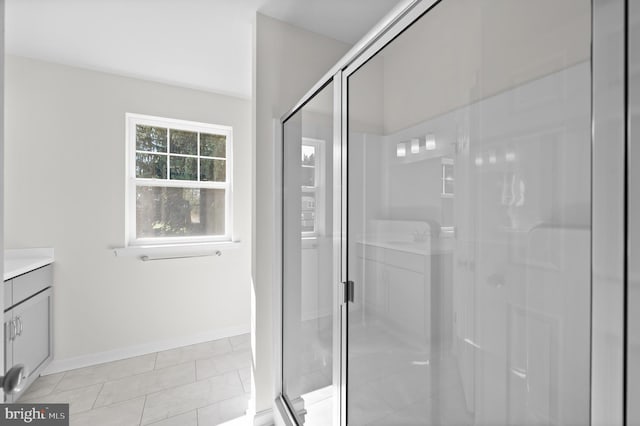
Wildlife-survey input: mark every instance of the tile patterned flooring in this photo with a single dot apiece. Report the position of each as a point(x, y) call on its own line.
point(395, 378)
point(198, 385)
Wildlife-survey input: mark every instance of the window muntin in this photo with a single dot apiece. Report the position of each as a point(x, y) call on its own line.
point(179, 181)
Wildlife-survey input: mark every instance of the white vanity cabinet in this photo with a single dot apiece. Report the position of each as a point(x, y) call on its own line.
point(403, 284)
point(394, 285)
point(27, 323)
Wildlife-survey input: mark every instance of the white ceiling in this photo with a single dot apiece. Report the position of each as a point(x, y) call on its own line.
point(202, 44)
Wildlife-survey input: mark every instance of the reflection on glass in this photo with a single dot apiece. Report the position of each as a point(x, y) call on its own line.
point(308, 165)
point(430, 142)
point(179, 212)
point(308, 215)
point(308, 281)
point(470, 249)
point(447, 177)
point(308, 176)
point(308, 155)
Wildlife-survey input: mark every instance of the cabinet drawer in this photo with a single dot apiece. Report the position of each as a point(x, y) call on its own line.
point(410, 261)
point(8, 294)
point(400, 259)
point(31, 283)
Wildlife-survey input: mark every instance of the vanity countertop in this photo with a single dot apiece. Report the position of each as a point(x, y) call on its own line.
point(421, 248)
point(21, 261)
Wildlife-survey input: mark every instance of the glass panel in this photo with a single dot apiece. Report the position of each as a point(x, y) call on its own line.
point(308, 176)
point(213, 145)
point(179, 212)
point(213, 170)
point(308, 165)
point(183, 168)
point(183, 142)
point(308, 214)
point(469, 219)
point(152, 139)
point(308, 155)
point(151, 166)
point(633, 297)
point(308, 275)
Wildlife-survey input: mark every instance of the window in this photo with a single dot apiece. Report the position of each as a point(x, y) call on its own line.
point(447, 177)
point(179, 181)
point(312, 187)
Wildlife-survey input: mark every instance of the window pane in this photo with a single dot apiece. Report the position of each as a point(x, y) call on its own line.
point(308, 175)
point(179, 212)
point(213, 145)
point(308, 212)
point(151, 166)
point(308, 155)
point(213, 170)
point(153, 139)
point(183, 142)
point(448, 188)
point(183, 168)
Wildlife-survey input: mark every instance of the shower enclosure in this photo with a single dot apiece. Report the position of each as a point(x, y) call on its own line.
point(454, 218)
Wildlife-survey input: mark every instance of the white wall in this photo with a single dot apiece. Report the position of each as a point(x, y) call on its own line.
point(65, 188)
point(288, 61)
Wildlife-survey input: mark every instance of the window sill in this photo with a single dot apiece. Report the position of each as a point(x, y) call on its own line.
point(176, 251)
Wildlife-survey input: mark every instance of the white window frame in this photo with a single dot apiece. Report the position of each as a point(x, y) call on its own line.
point(132, 120)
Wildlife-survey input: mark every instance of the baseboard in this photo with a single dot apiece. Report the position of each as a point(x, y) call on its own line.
point(281, 414)
point(66, 364)
point(263, 418)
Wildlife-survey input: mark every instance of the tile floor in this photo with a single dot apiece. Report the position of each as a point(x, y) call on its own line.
point(198, 385)
point(395, 378)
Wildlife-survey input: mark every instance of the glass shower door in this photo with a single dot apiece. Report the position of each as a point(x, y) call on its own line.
point(308, 266)
point(468, 176)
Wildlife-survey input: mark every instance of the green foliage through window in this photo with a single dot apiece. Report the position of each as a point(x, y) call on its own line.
point(151, 139)
point(183, 142)
point(153, 159)
point(181, 182)
point(179, 212)
point(213, 145)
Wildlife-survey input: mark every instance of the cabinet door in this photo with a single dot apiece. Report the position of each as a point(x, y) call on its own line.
point(8, 339)
point(8, 346)
point(407, 306)
point(31, 346)
point(376, 281)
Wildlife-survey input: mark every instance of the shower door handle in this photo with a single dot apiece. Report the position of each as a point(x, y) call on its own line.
point(349, 291)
